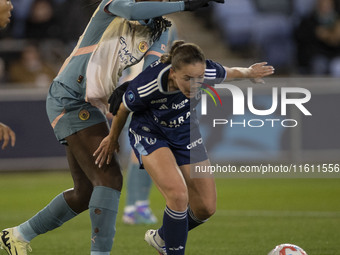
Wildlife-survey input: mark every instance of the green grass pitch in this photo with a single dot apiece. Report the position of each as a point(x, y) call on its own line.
point(253, 215)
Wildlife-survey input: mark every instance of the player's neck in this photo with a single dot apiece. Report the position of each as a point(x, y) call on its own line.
point(172, 86)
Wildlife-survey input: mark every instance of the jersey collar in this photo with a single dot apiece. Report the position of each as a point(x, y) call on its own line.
point(162, 81)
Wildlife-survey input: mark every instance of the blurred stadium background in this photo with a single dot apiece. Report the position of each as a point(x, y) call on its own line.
point(253, 215)
point(238, 33)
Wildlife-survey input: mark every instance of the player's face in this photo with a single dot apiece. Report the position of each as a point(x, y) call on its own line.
point(5, 12)
point(189, 78)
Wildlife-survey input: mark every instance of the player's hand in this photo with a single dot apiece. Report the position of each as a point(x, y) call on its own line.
point(105, 151)
point(192, 5)
point(6, 135)
point(116, 98)
point(260, 70)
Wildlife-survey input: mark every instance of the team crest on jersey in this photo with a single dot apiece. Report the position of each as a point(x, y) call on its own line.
point(143, 46)
point(84, 114)
point(150, 141)
point(130, 96)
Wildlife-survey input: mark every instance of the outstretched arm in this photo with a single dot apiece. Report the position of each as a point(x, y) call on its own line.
point(139, 10)
point(131, 10)
point(255, 72)
point(109, 144)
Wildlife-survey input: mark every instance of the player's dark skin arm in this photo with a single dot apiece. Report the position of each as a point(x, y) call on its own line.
point(110, 144)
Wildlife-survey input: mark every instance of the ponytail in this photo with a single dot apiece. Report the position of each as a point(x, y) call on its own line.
point(166, 58)
point(183, 53)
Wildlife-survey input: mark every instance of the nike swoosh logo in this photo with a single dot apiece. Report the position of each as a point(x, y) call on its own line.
point(5, 241)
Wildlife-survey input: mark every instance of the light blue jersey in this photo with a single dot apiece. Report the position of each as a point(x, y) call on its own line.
point(116, 37)
point(109, 44)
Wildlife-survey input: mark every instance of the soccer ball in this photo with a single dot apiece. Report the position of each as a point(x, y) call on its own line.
point(287, 249)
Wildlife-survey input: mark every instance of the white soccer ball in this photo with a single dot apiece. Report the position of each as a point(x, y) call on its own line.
point(287, 249)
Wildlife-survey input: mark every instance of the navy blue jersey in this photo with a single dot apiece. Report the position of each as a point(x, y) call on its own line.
point(159, 113)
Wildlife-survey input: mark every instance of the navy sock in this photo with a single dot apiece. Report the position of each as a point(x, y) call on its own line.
point(175, 231)
point(161, 232)
point(193, 222)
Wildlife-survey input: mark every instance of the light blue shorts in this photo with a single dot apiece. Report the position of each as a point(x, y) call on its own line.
point(68, 111)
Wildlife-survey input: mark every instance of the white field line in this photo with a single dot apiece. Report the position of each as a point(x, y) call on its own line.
point(266, 213)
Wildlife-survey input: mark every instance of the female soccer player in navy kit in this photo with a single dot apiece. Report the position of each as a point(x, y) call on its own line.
point(120, 34)
point(160, 131)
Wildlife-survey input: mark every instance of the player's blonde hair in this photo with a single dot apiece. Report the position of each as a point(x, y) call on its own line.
point(183, 53)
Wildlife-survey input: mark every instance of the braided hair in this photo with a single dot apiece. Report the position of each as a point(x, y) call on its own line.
point(159, 25)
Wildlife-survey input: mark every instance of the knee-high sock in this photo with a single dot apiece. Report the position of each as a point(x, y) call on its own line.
point(193, 222)
point(138, 185)
point(52, 216)
point(103, 209)
point(175, 229)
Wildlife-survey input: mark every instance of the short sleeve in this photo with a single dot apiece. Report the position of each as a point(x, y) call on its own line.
point(214, 72)
point(131, 99)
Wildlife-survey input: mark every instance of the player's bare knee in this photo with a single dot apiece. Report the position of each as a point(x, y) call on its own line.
point(208, 212)
point(83, 194)
point(108, 176)
point(177, 199)
point(205, 211)
point(78, 198)
point(115, 183)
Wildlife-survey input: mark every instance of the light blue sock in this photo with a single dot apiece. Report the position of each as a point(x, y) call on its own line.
point(144, 185)
point(52, 216)
point(132, 182)
point(138, 185)
point(103, 209)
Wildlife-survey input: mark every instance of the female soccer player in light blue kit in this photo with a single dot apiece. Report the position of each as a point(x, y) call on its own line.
point(119, 34)
point(160, 131)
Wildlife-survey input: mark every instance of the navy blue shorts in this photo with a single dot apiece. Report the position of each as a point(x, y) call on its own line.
point(188, 152)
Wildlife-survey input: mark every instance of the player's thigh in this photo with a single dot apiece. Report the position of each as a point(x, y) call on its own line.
point(82, 146)
point(78, 198)
point(165, 173)
point(82, 184)
point(202, 191)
